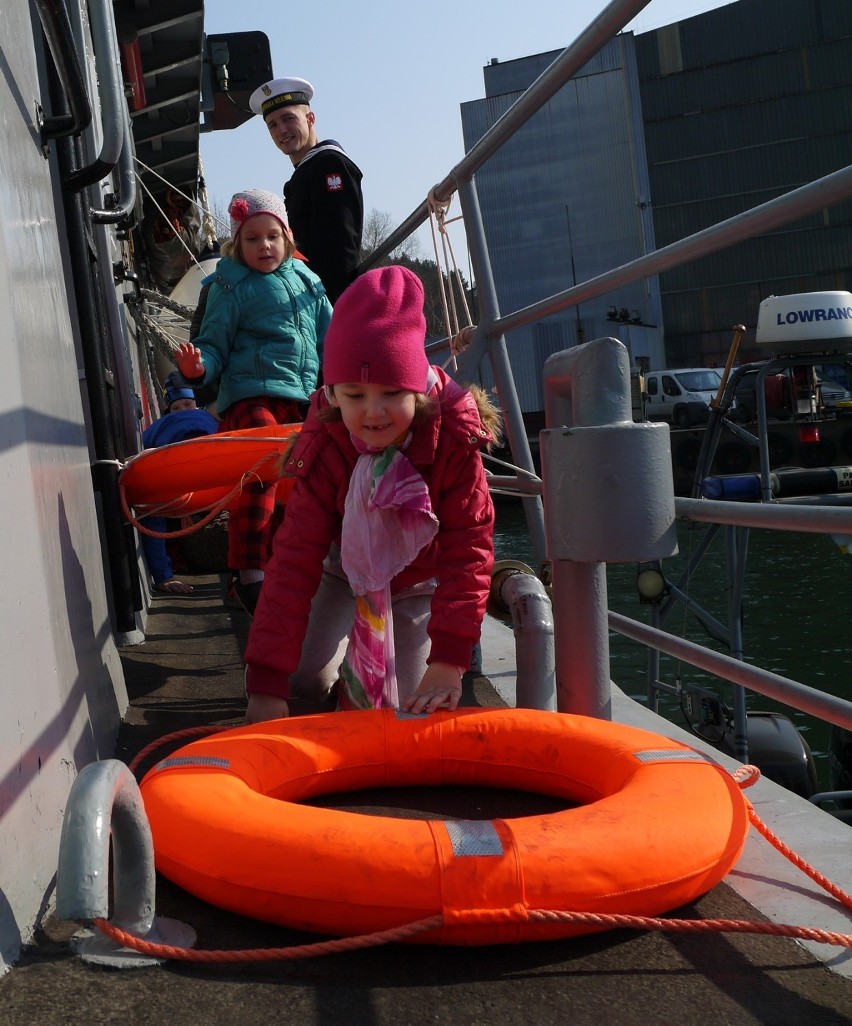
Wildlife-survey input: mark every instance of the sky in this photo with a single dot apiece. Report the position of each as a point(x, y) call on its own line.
point(388, 82)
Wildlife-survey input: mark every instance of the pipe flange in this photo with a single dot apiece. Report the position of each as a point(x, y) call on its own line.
point(502, 570)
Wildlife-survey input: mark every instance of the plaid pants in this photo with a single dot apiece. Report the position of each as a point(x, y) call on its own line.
point(253, 517)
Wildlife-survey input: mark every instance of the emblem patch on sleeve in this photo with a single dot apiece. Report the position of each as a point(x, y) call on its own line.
point(333, 182)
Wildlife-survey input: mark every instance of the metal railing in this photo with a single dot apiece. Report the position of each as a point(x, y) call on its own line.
point(581, 619)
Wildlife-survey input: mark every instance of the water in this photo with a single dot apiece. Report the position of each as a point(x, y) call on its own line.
point(798, 597)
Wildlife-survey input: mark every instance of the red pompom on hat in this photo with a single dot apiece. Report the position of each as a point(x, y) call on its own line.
point(246, 204)
point(377, 334)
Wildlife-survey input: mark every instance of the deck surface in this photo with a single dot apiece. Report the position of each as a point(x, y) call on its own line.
point(189, 673)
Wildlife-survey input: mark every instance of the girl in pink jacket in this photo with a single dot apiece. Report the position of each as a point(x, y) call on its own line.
point(381, 569)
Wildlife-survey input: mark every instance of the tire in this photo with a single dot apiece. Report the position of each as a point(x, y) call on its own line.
point(733, 458)
point(780, 449)
point(817, 454)
point(687, 453)
point(681, 417)
point(846, 443)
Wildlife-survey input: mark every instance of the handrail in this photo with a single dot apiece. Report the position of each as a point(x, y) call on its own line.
point(56, 26)
point(789, 692)
point(775, 516)
point(826, 515)
point(807, 199)
point(602, 28)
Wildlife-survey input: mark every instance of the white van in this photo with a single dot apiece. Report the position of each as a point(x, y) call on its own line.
point(681, 397)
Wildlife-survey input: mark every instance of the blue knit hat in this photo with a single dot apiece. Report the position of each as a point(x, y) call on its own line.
point(173, 394)
point(174, 388)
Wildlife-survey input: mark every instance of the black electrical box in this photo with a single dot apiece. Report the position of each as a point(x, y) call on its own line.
point(235, 64)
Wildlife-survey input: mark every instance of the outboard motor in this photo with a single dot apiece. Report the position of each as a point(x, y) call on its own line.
point(840, 762)
point(779, 751)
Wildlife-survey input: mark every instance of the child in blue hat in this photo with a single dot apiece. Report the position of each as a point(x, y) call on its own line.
point(181, 420)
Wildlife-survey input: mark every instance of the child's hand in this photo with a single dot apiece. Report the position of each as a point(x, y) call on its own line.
point(440, 688)
point(174, 587)
point(189, 361)
point(265, 707)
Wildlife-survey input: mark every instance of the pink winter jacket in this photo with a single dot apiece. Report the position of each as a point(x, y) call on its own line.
point(445, 449)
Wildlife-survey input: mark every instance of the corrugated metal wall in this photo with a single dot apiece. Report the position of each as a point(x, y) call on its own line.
point(743, 104)
point(559, 201)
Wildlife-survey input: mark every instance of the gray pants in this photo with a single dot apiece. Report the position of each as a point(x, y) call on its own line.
point(330, 624)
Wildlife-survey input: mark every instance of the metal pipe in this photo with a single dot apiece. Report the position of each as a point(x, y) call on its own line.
point(733, 537)
point(89, 291)
point(771, 515)
point(122, 205)
point(524, 598)
point(591, 392)
point(807, 199)
point(498, 355)
point(105, 806)
point(56, 25)
point(603, 27)
point(113, 102)
point(592, 454)
point(583, 683)
point(508, 485)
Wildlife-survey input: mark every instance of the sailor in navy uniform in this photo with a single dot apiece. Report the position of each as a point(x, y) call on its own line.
point(323, 195)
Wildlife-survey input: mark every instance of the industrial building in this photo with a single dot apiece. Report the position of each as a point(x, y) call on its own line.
point(663, 134)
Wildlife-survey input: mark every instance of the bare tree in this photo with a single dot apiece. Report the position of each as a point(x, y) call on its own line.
point(378, 225)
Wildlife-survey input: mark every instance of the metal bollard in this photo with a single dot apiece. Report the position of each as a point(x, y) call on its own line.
point(104, 803)
point(608, 498)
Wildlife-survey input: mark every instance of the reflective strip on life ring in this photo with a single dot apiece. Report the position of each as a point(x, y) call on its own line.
point(168, 473)
point(655, 823)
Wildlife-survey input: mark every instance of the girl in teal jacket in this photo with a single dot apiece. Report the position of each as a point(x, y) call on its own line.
point(261, 337)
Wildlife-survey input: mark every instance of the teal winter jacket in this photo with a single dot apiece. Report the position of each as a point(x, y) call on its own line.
point(263, 333)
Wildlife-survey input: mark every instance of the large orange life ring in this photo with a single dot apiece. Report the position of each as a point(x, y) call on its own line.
point(655, 823)
point(211, 464)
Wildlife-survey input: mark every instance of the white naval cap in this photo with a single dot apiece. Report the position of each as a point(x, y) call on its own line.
point(280, 92)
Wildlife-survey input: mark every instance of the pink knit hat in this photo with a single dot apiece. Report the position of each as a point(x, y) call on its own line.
point(377, 333)
point(246, 204)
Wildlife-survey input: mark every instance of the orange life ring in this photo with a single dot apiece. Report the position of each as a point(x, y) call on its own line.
point(211, 462)
point(204, 499)
point(655, 824)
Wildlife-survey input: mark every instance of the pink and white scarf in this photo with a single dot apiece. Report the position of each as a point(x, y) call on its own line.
point(387, 521)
